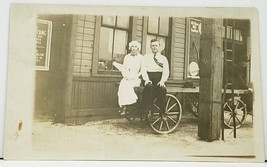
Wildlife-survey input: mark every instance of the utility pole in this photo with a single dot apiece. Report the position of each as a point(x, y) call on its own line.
point(211, 77)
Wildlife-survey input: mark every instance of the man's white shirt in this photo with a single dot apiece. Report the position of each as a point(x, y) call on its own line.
point(149, 65)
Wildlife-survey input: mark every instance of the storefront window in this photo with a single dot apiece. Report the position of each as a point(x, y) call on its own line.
point(114, 37)
point(158, 28)
point(236, 49)
point(233, 33)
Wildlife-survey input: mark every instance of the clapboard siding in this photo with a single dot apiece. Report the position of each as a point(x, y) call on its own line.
point(180, 35)
point(178, 75)
point(179, 65)
point(179, 47)
point(179, 50)
point(139, 28)
point(179, 40)
point(94, 95)
point(84, 45)
point(180, 20)
point(179, 59)
point(179, 30)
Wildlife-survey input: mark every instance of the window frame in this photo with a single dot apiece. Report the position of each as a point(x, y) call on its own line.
point(95, 69)
point(168, 46)
point(168, 37)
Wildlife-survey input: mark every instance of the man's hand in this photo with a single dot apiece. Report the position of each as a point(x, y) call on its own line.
point(161, 84)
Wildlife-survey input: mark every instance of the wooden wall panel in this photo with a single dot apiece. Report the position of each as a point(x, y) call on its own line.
point(179, 48)
point(94, 95)
point(84, 45)
point(139, 29)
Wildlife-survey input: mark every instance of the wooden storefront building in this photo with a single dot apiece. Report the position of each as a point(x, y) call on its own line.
point(80, 83)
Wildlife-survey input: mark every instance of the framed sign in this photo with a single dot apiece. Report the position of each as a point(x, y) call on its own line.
point(43, 44)
point(193, 46)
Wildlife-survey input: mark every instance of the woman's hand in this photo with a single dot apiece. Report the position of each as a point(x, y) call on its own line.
point(125, 75)
point(148, 82)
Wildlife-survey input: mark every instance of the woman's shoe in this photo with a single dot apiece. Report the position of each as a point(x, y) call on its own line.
point(124, 109)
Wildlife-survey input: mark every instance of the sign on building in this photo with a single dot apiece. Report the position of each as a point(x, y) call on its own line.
point(43, 44)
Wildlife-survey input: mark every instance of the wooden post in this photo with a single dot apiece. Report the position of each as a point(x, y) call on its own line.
point(69, 77)
point(210, 92)
point(67, 66)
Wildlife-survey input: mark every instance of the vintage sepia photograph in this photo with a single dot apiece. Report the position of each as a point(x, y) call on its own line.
point(135, 83)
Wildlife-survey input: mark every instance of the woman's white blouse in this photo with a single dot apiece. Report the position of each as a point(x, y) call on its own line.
point(132, 66)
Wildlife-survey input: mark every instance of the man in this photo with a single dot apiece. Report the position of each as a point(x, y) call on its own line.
point(155, 72)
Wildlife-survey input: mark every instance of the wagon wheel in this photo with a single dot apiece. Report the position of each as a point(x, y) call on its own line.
point(192, 103)
point(167, 122)
point(240, 111)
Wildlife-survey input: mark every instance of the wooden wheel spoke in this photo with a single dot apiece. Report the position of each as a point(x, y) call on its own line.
point(241, 108)
point(240, 114)
point(161, 123)
point(230, 119)
point(237, 105)
point(174, 113)
point(227, 113)
point(167, 124)
point(172, 119)
point(229, 107)
point(155, 114)
point(156, 121)
point(172, 107)
point(238, 120)
point(156, 106)
point(169, 99)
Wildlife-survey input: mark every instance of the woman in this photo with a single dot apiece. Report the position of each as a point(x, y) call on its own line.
point(131, 71)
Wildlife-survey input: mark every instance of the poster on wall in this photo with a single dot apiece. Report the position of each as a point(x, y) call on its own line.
point(43, 44)
point(194, 31)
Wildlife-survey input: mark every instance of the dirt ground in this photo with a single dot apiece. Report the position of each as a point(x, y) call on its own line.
point(118, 139)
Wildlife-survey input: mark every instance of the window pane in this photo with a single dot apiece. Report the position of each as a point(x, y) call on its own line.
point(149, 37)
point(153, 25)
point(164, 26)
point(162, 41)
point(223, 32)
point(105, 48)
point(109, 20)
point(120, 43)
point(237, 35)
point(241, 37)
point(123, 21)
point(229, 32)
